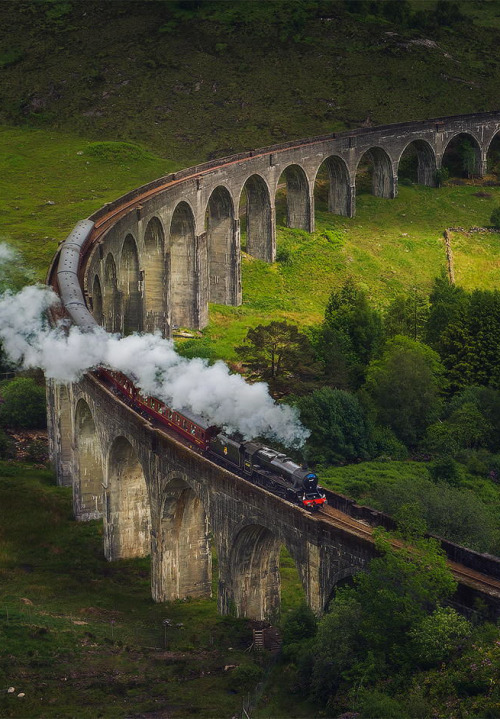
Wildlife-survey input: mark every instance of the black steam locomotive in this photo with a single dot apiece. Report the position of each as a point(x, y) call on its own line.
point(255, 462)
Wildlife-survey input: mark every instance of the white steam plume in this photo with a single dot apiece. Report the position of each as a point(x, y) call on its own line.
point(209, 390)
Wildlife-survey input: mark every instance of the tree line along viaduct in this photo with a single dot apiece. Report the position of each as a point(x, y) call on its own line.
point(151, 261)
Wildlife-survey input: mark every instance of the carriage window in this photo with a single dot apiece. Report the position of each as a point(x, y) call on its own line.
point(184, 423)
point(193, 429)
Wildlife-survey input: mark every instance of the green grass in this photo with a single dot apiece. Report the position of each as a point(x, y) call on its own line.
point(390, 247)
point(81, 636)
point(78, 176)
point(209, 88)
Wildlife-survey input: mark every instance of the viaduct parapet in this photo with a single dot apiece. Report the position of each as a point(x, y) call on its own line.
point(151, 261)
point(164, 251)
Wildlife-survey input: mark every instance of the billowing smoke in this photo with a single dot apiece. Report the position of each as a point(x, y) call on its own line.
point(208, 390)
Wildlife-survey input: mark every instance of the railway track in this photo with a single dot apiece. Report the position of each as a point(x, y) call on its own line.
point(359, 528)
point(464, 575)
point(105, 219)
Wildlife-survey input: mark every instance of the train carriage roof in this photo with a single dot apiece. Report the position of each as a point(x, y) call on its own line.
point(194, 418)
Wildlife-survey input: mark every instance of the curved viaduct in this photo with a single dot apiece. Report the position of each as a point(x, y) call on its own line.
point(151, 261)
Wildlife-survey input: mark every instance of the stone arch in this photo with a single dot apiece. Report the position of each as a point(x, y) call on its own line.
point(131, 287)
point(127, 519)
point(298, 201)
point(222, 248)
point(493, 154)
point(343, 577)
point(260, 228)
point(88, 489)
point(155, 273)
point(97, 303)
point(64, 433)
point(458, 161)
point(334, 175)
point(111, 296)
point(382, 180)
point(182, 560)
point(420, 162)
point(255, 573)
point(183, 268)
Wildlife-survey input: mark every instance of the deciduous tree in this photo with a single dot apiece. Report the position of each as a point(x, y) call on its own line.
point(404, 386)
point(339, 428)
point(280, 354)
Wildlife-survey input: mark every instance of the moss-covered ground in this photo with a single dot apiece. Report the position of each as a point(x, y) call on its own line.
point(206, 81)
point(81, 637)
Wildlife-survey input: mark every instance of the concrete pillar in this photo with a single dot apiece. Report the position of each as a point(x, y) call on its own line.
point(180, 552)
point(235, 274)
point(60, 431)
point(200, 309)
point(271, 240)
point(127, 516)
point(312, 209)
point(483, 164)
point(351, 201)
point(394, 187)
point(314, 585)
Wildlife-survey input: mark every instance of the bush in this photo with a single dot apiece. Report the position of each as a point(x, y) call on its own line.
point(245, 677)
point(388, 446)
point(438, 635)
point(7, 446)
point(440, 176)
point(24, 405)
point(284, 256)
point(495, 217)
point(37, 452)
point(446, 470)
point(299, 624)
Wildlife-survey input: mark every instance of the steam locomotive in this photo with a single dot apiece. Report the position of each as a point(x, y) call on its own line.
point(255, 462)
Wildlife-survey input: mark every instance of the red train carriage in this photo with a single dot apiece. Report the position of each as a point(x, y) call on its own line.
point(188, 425)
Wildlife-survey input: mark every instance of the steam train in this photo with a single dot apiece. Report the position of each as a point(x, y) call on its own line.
point(255, 462)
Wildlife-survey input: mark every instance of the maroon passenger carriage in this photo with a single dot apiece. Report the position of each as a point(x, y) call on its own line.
point(190, 426)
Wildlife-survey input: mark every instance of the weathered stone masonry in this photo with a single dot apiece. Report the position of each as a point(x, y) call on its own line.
point(173, 247)
point(158, 496)
point(157, 267)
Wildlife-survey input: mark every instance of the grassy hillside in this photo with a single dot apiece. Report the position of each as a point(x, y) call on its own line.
point(81, 637)
point(49, 180)
point(389, 247)
point(200, 79)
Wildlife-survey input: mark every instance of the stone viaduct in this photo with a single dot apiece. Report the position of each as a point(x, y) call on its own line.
point(152, 261)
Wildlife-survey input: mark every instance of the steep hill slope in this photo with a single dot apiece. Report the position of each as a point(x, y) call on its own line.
point(200, 79)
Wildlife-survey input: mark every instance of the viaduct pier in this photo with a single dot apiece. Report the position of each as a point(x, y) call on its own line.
point(152, 261)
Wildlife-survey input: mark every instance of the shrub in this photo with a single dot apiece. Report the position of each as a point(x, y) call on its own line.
point(495, 217)
point(447, 470)
point(24, 405)
point(245, 677)
point(37, 452)
point(7, 446)
point(387, 445)
point(440, 176)
point(284, 256)
point(438, 635)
